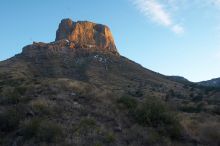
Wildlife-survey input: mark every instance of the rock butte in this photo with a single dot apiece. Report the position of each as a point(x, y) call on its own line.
point(86, 34)
point(80, 36)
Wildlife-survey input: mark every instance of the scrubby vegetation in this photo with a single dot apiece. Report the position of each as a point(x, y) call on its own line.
point(152, 112)
point(13, 95)
point(103, 107)
point(129, 102)
point(41, 130)
point(9, 120)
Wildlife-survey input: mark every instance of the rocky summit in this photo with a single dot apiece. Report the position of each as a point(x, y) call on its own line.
point(86, 34)
point(74, 38)
point(78, 91)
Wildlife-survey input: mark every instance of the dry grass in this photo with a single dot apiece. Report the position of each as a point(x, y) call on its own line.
point(42, 106)
point(203, 128)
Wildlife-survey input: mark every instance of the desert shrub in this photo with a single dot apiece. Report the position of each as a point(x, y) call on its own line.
point(172, 130)
point(30, 128)
point(171, 93)
point(86, 126)
point(136, 93)
point(42, 130)
point(98, 144)
point(87, 123)
point(151, 112)
point(129, 102)
point(9, 96)
point(88, 132)
point(21, 90)
point(191, 108)
point(148, 115)
point(156, 113)
point(198, 98)
point(110, 137)
point(9, 120)
point(153, 137)
point(13, 95)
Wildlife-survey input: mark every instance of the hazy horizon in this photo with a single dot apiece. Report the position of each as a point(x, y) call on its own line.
point(166, 36)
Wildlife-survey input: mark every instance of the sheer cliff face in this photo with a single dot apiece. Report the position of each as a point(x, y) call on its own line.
point(86, 35)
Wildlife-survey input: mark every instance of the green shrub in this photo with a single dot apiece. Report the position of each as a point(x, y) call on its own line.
point(87, 123)
point(85, 126)
point(151, 112)
point(128, 102)
point(110, 137)
point(155, 113)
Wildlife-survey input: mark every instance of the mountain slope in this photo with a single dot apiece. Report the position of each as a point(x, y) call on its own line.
point(211, 83)
point(79, 91)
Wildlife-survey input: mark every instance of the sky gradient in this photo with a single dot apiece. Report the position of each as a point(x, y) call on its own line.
point(172, 37)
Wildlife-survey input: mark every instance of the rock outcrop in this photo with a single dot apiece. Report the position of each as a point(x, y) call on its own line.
point(86, 34)
point(75, 38)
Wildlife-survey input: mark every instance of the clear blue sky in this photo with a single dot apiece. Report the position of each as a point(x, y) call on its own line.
point(172, 37)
